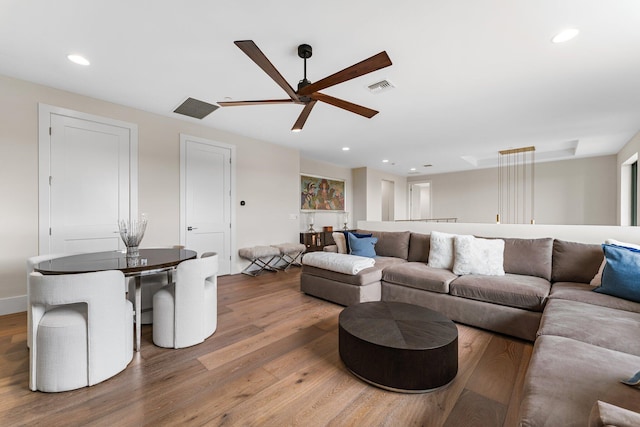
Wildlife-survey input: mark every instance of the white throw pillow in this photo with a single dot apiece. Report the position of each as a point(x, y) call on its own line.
point(478, 256)
point(341, 241)
point(441, 250)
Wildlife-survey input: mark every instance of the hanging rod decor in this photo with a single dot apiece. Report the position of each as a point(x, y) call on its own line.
point(516, 186)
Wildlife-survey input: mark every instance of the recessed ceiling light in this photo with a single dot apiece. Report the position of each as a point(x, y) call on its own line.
point(345, 148)
point(78, 59)
point(385, 161)
point(565, 35)
point(412, 169)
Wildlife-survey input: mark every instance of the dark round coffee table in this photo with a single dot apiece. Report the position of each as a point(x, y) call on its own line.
point(398, 346)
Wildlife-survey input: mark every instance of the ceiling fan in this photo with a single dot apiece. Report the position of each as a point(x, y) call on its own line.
point(307, 93)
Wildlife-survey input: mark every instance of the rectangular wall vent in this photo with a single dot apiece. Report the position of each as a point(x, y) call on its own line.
point(195, 108)
point(381, 86)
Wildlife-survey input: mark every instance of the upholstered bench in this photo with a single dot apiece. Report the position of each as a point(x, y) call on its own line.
point(257, 255)
point(290, 254)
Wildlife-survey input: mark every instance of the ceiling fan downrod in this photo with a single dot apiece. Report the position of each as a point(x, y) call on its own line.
point(304, 51)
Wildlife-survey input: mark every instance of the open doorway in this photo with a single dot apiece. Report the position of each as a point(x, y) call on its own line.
point(419, 200)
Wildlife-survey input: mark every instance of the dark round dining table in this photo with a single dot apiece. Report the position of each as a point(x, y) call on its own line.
point(149, 261)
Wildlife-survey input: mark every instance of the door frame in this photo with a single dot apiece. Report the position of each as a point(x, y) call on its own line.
point(232, 197)
point(44, 164)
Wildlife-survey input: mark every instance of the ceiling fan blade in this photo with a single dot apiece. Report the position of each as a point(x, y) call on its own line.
point(369, 65)
point(263, 102)
point(256, 55)
point(346, 105)
point(303, 116)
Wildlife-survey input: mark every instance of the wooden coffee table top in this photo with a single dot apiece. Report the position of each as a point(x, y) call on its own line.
point(398, 325)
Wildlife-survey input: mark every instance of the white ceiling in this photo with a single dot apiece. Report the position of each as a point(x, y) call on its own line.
point(473, 76)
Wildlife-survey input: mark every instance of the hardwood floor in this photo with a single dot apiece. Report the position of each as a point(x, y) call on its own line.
point(273, 361)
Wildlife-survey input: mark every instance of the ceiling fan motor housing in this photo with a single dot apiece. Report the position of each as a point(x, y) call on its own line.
point(302, 83)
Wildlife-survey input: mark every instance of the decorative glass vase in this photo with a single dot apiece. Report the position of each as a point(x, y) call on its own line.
point(132, 251)
point(132, 233)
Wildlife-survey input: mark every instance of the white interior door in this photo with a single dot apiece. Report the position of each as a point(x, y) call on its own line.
point(89, 183)
point(206, 198)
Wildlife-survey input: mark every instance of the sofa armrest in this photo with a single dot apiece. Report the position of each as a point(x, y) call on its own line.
point(331, 248)
point(605, 414)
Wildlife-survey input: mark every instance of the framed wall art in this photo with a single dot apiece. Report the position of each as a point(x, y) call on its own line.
point(321, 194)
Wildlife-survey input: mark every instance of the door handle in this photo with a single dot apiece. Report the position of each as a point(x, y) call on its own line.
point(191, 228)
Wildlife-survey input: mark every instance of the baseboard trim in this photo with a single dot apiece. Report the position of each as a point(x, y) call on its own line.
point(13, 305)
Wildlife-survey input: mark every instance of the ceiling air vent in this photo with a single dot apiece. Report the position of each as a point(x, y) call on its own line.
point(195, 108)
point(381, 86)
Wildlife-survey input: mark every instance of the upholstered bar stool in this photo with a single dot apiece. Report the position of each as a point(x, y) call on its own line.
point(185, 312)
point(82, 329)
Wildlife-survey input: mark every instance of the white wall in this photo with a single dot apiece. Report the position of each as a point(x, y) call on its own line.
point(579, 191)
point(327, 170)
point(267, 179)
point(359, 176)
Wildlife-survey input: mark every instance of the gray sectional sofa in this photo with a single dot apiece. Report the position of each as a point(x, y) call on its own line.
point(585, 342)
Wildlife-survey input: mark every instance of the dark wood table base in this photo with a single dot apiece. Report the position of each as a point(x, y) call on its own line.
point(399, 347)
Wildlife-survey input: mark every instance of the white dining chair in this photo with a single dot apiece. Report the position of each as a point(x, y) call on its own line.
point(185, 313)
point(31, 264)
point(82, 329)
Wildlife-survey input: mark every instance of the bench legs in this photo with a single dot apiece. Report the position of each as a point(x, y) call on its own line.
point(290, 254)
point(287, 253)
point(291, 259)
point(262, 266)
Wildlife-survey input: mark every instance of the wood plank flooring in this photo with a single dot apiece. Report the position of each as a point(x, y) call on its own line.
point(273, 361)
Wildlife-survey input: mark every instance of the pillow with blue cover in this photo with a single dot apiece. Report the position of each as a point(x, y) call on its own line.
point(621, 272)
point(362, 246)
point(597, 279)
point(357, 235)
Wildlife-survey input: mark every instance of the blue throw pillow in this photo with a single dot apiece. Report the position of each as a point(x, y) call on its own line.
point(621, 275)
point(358, 235)
point(363, 246)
